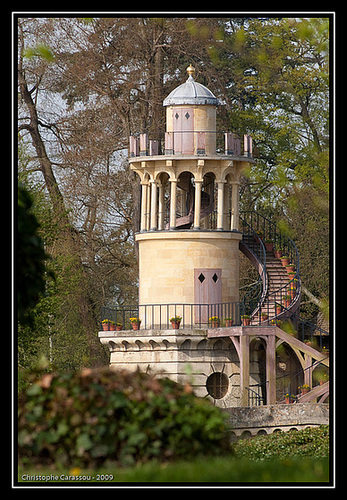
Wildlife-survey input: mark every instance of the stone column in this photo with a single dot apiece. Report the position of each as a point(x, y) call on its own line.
point(197, 206)
point(271, 370)
point(161, 207)
point(154, 219)
point(234, 223)
point(244, 369)
point(173, 195)
point(143, 206)
point(220, 206)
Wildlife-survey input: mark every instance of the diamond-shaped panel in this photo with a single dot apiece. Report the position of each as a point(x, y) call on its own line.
point(215, 278)
point(177, 116)
point(187, 115)
point(201, 278)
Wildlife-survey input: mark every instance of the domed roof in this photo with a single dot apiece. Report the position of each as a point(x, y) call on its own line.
point(190, 92)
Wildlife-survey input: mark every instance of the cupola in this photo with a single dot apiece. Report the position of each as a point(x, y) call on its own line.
point(191, 92)
point(190, 119)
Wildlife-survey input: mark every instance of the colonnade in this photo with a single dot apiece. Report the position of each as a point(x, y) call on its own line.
point(153, 205)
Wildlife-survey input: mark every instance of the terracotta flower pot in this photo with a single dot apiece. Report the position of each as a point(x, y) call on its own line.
point(136, 326)
point(175, 325)
point(229, 322)
point(277, 254)
point(246, 321)
point(285, 261)
point(105, 327)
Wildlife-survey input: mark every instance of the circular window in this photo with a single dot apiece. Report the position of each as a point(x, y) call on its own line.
point(217, 385)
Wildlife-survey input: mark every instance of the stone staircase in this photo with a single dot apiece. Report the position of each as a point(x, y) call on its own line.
point(279, 289)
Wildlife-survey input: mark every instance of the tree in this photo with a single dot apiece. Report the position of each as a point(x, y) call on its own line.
point(31, 258)
point(68, 241)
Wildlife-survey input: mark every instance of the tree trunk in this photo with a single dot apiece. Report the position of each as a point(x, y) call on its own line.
point(69, 239)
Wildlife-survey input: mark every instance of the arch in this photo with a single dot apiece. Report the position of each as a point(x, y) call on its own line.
point(113, 346)
point(140, 344)
point(228, 174)
point(154, 345)
point(262, 432)
point(219, 345)
point(126, 345)
point(167, 344)
point(246, 435)
point(202, 345)
point(291, 375)
point(185, 345)
point(159, 176)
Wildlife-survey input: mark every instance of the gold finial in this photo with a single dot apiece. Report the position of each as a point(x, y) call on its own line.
point(190, 70)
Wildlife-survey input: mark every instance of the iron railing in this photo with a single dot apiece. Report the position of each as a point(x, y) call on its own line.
point(190, 142)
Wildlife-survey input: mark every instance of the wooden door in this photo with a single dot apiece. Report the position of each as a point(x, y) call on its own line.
point(183, 126)
point(207, 290)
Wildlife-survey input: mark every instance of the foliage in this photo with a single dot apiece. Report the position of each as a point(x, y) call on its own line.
point(31, 257)
point(92, 416)
point(309, 442)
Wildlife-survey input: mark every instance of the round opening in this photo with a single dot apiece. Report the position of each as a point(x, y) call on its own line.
point(217, 385)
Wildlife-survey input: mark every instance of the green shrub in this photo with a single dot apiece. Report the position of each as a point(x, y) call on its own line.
point(89, 417)
point(309, 442)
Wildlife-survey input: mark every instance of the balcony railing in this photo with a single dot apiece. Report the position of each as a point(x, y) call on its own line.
point(208, 143)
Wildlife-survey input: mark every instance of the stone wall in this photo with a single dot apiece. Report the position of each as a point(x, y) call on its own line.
point(257, 420)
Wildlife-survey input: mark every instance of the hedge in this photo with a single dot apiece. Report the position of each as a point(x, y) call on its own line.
point(93, 416)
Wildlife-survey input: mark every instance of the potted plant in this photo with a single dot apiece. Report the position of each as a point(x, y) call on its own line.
point(277, 253)
point(287, 399)
point(246, 320)
point(285, 260)
point(278, 309)
point(108, 325)
point(305, 388)
point(264, 316)
point(269, 244)
point(286, 300)
point(135, 323)
point(214, 321)
point(290, 268)
point(119, 327)
point(228, 321)
point(258, 236)
point(175, 322)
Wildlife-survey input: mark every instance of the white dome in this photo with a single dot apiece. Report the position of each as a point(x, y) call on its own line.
point(190, 92)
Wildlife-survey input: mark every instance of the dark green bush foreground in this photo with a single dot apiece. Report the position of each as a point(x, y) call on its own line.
point(94, 416)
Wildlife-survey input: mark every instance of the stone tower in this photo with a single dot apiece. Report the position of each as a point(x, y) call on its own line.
point(189, 238)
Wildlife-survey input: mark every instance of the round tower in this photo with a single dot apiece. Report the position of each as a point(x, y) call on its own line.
point(189, 238)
